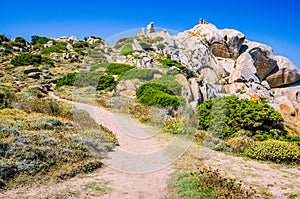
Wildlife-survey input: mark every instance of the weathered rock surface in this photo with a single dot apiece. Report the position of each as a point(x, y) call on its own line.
point(285, 73)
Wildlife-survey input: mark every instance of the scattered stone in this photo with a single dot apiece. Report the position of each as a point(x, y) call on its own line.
point(34, 75)
point(31, 69)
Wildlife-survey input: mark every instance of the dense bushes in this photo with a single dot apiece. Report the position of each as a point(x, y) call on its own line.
point(275, 151)
point(169, 82)
point(2, 100)
point(39, 40)
point(207, 183)
point(67, 80)
point(118, 69)
point(58, 48)
point(31, 59)
point(126, 49)
point(228, 117)
point(154, 94)
point(86, 78)
point(27, 59)
point(106, 82)
point(141, 74)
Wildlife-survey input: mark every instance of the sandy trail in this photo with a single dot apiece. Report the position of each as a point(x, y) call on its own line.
point(138, 168)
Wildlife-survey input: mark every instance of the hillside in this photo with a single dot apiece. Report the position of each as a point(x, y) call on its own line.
point(211, 87)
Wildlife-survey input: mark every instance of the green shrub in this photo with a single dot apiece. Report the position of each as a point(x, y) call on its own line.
point(20, 40)
point(154, 94)
point(3, 38)
point(2, 100)
point(58, 48)
point(81, 44)
point(126, 49)
point(27, 59)
point(106, 82)
point(146, 46)
point(39, 40)
point(97, 66)
point(169, 82)
point(87, 78)
point(259, 121)
point(161, 46)
point(275, 151)
point(167, 61)
point(118, 69)
point(207, 183)
point(141, 74)
point(67, 80)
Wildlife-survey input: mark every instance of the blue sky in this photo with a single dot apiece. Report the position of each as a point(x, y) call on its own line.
point(276, 23)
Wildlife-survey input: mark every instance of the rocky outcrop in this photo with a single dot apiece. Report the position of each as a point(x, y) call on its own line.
point(31, 69)
point(285, 73)
point(234, 40)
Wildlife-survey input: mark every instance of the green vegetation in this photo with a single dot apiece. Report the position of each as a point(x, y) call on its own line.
point(3, 38)
point(81, 44)
point(31, 59)
point(206, 183)
point(122, 42)
point(155, 94)
point(106, 82)
point(118, 69)
point(167, 61)
point(275, 151)
point(161, 46)
point(37, 40)
point(2, 100)
point(58, 48)
point(27, 59)
point(126, 49)
point(169, 82)
point(241, 117)
point(20, 40)
point(97, 66)
point(67, 80)
point(87, 78)
point(141, 74)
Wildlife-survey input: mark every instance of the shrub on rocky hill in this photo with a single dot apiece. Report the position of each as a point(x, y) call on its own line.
point(227, 116)
point(154, 94)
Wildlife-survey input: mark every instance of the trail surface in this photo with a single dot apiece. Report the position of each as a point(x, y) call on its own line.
point(138, 167)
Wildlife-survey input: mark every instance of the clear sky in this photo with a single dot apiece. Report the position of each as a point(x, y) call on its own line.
point(276, 23)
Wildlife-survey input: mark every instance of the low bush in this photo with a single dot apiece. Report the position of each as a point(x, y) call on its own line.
point(167, 61)
point(126, 49)
point(118, 69)
point(154, 94)
point(58, 48)
point(87, 78)
point(207, 183)
point(2, 100)
point(97, 66)
point(141, 74)
point(27, 59)
point(81, 44)
point(227, 117)
point(39, 40)
point(67, 80)
point(106, 82)
point(275, 151)
point(169, 82)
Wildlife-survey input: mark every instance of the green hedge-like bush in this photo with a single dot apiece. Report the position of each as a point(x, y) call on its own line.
point(169, 82)
point(67, 80)
point(141, 74)
point(39, 40)
point(27, 59)
point(106, 82)
point(126, 49)
point(154, 94)
point(275, 151)
point(118, 69)
point(58, 48)
point(259, 121)
point(81, 44)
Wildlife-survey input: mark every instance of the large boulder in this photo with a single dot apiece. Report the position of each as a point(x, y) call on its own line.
point(262, 56)
point(244, 71)
point(209, 33)
point(285, 73)
point(185, 89)
point(235, 39)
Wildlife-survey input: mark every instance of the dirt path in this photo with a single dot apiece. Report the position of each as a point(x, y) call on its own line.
point(138, 168)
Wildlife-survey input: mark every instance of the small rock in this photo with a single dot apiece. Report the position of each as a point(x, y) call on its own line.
point(34, 75)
